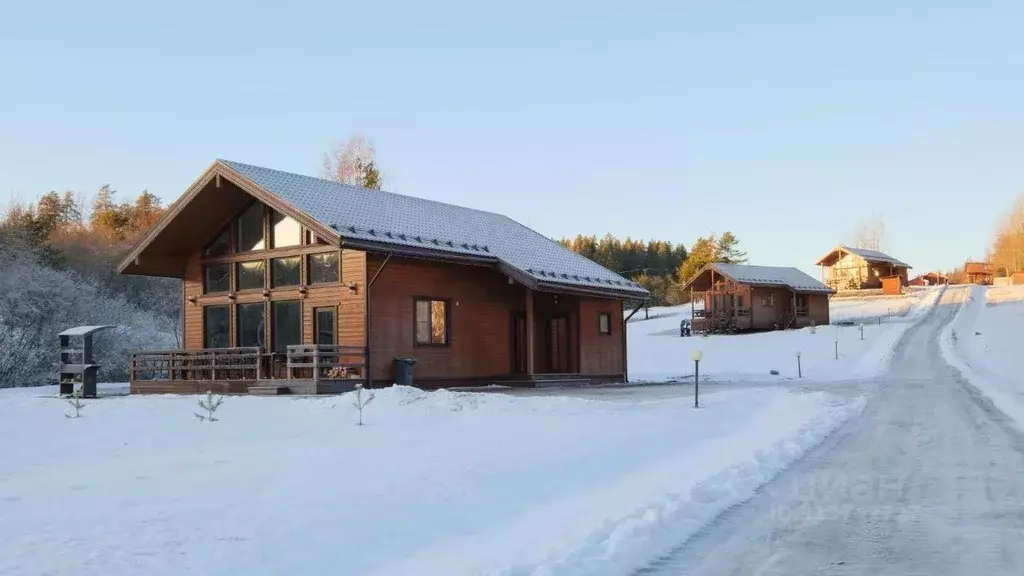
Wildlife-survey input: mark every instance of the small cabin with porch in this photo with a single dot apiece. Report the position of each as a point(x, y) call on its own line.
point(849, 268)
point(739, 297)
point(297, 284)
point(979, 273)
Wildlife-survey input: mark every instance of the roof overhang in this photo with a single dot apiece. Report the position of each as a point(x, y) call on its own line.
point(209, 201)
point(701, 282)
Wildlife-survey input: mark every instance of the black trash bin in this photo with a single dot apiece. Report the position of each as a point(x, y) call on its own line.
point(404, 370)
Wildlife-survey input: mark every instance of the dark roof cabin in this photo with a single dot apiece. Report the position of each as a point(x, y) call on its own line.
point(738, 297)
point(298, 284)
point(849, 268)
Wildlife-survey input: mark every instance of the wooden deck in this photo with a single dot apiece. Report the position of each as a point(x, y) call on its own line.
point(303, 369)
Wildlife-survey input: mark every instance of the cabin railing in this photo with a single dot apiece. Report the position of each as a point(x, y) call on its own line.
point(325, 361)
point(208, 364)
point(801, 310)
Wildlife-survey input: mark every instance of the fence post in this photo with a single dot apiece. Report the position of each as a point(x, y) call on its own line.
point(316, 363)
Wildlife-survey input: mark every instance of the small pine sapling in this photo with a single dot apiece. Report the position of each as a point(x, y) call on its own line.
point(76, 402)
point(361, 402)
point(210, 405)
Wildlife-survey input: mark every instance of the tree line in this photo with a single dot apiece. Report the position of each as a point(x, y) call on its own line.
point(1007, 250)
point(660, 266)
point(59, 260)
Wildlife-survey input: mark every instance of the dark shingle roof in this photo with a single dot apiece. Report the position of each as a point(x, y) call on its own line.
point(394, 219)
point(874, 256)
point(789, 277)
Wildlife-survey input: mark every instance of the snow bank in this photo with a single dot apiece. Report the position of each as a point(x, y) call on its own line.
point(657, 353)
point(983, 342)
point(435, 483)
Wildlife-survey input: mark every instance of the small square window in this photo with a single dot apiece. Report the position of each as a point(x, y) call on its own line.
point(431, 320)
point(216, 278)
point(251, 275)
point(323, 268)
point(604, 324)
point(285, 272)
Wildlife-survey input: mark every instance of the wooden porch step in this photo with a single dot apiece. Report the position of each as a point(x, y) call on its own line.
point(549, 383)
point(271, 390)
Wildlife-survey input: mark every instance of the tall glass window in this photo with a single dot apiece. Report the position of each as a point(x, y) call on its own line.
point(250, 229)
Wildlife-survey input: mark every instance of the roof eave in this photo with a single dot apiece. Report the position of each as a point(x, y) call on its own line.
point(216, 170)
point(597, 291)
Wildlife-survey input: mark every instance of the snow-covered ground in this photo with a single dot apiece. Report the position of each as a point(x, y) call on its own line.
point(657, 353)
point(435, 483)
point(984, 342)
point(870, 308)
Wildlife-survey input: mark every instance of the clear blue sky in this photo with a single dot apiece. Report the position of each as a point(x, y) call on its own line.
point(784, 122)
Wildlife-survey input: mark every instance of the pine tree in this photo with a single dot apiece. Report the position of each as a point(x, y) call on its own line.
point(727, 250)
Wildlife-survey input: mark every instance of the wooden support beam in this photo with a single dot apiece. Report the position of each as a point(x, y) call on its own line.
point(529, 333)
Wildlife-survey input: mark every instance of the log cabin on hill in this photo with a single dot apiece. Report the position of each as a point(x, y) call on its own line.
point(929, 279)
point(298, 284)
point(739, 297)
point(979, 273)
point(849, 268)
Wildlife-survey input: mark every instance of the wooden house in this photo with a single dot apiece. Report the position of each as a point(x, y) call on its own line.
point(298, 284)
point(739, 297)
point(1017, 278)
point(979, 273)
point(929, 279)
point(848, 268)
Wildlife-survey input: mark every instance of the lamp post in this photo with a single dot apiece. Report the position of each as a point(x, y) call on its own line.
point(799, 370)
point(696, 355)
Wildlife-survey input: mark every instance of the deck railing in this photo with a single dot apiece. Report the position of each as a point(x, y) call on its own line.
point(326, 361)
point(801, 310)
point(208, 364)
point(305, 361)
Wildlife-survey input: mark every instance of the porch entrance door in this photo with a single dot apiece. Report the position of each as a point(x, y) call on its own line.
point(558, 345)
point(517, 342)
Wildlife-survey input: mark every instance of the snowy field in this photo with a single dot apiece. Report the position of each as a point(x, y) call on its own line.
point(987, 346)
point(871, 308)
point(657, 353)
point(586, 483)
point(435, 483)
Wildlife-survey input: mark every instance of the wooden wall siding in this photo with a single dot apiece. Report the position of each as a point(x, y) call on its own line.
point(764, 317)
point(480, 302)
point(599, 353)
point(817, 309)
point(352, 307)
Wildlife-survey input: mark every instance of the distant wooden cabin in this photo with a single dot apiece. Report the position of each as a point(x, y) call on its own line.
point(1017, 278)
point(738, 297)
point(979, 273)
point(929, 279)
point(297, 284)
point(848, 268)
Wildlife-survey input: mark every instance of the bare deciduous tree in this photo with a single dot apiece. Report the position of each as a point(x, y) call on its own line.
point(353, 162)
point(869, 233)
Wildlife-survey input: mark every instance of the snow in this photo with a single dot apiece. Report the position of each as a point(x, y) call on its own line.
point(870, 308)
point(657, 353)
point(435, 483)
point(986, 348)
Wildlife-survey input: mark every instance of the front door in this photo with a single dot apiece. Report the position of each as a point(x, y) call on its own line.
point(558, 345)
point(517, 342)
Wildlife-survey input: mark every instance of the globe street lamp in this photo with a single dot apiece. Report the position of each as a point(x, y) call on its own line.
point(696, 355)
